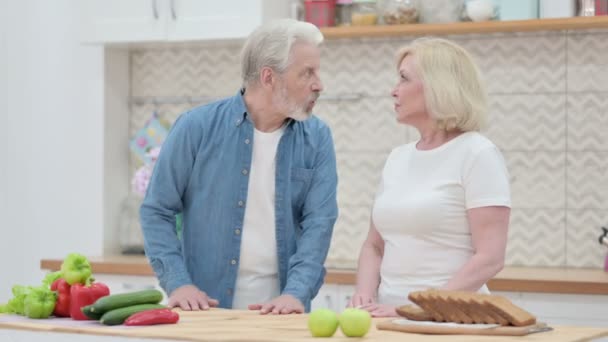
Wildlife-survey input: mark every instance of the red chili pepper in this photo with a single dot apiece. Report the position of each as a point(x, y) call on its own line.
point(62, 306)
point(154, 316)
point(84, 294)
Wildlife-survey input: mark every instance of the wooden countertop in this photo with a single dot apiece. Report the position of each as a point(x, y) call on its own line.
point(237, 325)
point(516, 279)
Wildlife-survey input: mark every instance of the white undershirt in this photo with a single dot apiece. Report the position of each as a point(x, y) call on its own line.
point(420, 211)
point(257, 279)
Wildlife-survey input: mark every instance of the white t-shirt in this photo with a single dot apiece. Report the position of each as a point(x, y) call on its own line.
point(420, 211)
point(257, 279)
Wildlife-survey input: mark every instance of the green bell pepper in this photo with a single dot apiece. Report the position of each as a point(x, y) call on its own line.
point(40, 302)
point(50, 278)
point(75, 269)
point(17, 303)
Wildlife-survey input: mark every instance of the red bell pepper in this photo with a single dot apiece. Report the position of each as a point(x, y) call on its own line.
point(62, 306)
point(154, 316)
point(82, 295)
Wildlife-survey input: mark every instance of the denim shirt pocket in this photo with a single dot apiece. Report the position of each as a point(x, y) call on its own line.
point(300, 184)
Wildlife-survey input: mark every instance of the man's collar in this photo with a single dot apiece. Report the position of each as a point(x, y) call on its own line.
point(241, 114)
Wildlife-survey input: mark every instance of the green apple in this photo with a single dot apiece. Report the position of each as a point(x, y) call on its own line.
point(322, 323)
point(355, 322)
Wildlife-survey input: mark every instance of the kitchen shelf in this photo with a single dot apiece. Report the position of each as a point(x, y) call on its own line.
point(575, 23)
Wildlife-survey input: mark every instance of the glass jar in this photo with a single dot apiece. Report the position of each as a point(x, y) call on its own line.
point(364, 13)
point(344, 10)
point(441, 11)
point(398, 12)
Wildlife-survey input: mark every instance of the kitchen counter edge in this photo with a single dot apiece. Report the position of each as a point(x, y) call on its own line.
point(514, 279)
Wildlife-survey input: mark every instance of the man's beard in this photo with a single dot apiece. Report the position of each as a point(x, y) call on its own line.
point(294, 111)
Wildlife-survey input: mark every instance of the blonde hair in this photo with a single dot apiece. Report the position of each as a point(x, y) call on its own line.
point(270, 46)
point(453, 90)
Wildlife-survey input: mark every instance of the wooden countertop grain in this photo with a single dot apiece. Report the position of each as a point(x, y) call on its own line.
point(516, 279)
point(237, 325)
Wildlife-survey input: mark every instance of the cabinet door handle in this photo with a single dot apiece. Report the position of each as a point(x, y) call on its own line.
point(173, 13)
point(154, 9)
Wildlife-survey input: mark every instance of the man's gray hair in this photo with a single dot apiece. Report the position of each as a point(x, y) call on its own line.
point(269, 46)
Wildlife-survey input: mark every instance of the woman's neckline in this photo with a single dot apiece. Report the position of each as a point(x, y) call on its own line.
point(442, 146)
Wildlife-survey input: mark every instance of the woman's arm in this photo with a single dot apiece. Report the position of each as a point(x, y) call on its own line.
point(489, 227)
point(368, 272)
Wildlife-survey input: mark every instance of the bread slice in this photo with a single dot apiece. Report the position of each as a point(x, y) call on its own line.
point(512, 313)
point(462, 315)
point(422, 299)
point(413, 312)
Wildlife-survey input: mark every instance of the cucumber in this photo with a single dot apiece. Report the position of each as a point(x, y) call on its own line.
point(116, 301)
point(118, 316)
point(86, 310)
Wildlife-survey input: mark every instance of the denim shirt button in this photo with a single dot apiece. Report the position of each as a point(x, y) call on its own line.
point(237, 231)
point(244, 172)
point(241, 203)
point(247, 141)
point(233, 262)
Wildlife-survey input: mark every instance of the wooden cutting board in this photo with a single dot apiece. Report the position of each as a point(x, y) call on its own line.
point(435, 328)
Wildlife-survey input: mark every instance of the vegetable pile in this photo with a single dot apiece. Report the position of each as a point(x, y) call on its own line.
point(72, 292)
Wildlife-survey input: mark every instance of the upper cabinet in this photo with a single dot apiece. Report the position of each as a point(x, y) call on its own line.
point(120, 21)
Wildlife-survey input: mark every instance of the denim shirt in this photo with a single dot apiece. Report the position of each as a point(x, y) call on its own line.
point(202, 172)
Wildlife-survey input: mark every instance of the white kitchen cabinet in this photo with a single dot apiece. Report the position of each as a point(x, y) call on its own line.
point(567, 309)
point(327, 298)
point(119, 21)
point(333, 296)
point(345, 293)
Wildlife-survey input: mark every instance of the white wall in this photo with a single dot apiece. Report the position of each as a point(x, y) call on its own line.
point(51, 150)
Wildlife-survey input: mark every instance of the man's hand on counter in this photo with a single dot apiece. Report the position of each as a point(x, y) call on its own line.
point(190, 298)
point(284, 304)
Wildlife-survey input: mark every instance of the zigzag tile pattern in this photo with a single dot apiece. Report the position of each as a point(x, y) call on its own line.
point(359, 176)
point(349, 233)
point(186, 72)
point(588, 180)
point(587, 62)
point(583, 230)
point(537, 238)
point(364, 125)
point(548, 114)
point(588, 122)
point(348, 68)
point(515, 64)
point(538, 179)
point(527, 122)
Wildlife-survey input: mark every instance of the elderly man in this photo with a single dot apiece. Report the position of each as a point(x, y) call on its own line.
point(255, 178)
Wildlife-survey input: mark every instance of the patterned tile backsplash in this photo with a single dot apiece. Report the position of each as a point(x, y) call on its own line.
point(548, 114)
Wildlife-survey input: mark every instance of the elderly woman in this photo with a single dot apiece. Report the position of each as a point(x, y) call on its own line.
point(441, 214)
